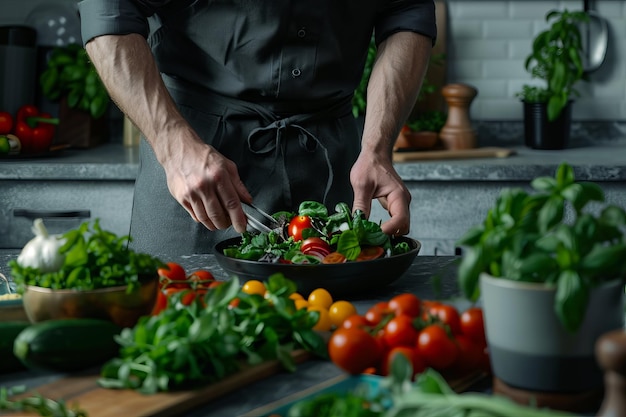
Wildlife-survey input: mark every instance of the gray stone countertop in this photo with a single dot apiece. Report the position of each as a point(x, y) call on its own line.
point(429, 277)
point(600, 162)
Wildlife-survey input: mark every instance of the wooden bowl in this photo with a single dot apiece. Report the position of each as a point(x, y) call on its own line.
point(105, 303)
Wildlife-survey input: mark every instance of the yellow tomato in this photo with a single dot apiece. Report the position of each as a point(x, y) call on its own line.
point(300, 304)
point(341, 310)
point(323, 323)
point(253, 287)
point(296, 296)
point(321, 298)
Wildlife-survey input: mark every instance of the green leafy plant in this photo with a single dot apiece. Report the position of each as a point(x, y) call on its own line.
point(70, 73)
point(93, 258)
point(359, 101)
point(428, 121)
point(556, 58)
point(191, 346)
point(549, 236)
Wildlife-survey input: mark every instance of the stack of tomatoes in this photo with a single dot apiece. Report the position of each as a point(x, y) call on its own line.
point(431, 334)
point(174, 279)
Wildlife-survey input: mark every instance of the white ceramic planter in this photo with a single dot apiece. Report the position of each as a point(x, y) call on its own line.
point(531, 350)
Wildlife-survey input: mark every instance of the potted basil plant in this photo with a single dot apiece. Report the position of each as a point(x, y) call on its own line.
point(548, 266)
point(556, 59)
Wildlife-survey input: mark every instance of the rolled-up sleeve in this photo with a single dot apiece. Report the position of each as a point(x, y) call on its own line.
point(111, 17)
point(407, 15)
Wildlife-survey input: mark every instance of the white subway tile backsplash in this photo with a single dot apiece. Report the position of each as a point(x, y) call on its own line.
point(502, 39)
point(488, 42)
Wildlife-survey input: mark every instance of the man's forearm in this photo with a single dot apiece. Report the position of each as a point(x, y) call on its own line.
point(394, 84)
point(128, 70)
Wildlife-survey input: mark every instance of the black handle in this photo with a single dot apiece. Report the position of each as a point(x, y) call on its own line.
point(36, 214)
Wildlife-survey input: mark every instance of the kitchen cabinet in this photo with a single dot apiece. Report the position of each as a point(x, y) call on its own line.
point(62, 205)
point(66, 189)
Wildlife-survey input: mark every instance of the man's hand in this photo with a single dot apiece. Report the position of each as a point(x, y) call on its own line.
point(373, 177)
point(206, 184)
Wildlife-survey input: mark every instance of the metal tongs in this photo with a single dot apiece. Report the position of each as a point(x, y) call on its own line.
point(261, 221)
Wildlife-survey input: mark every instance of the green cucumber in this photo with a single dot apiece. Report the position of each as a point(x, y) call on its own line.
point(9, 330)
point(67, 345)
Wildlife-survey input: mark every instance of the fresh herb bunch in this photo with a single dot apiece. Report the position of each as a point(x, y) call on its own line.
point(548, 236)
point(556, 58)
point(396, 395)
point(210, 339)
point(36, 404)
point(70, 73)
point(94, 258)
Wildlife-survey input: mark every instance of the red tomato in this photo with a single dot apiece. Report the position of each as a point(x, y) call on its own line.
point(173, 272)
point(417, 362)
point(473, 325)
point(370, 252)
point(355, 320)
point(470, 355)
point(399, 331)
point(6, 122)
point(334, 258)
point(297, 225)
point(377, 312)
point(353, 350)
point(437, 348)
point(160, 303)
point(201, 278)
point(315, 246)
point(406, 303)
point(448, 315)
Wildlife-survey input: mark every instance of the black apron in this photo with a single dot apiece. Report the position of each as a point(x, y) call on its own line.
point(286, 153)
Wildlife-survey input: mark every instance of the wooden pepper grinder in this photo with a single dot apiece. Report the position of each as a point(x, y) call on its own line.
point(611, 356)
point(458, 133)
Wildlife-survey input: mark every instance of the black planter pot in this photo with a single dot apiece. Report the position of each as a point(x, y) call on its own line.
point(540, 133)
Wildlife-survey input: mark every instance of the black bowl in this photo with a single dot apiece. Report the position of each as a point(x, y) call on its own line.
point(339, 279)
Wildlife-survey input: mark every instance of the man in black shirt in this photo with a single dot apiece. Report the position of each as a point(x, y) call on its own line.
point(242, 100)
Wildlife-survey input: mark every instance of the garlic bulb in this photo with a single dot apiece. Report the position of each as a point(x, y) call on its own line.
point(42, 251)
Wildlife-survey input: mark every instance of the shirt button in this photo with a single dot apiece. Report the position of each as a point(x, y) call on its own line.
point(302, 33)
point(296, 72)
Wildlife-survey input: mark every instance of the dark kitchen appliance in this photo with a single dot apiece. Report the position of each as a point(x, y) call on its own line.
point(18, 60)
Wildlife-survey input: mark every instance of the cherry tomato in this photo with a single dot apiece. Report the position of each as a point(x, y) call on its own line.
point(201, 275)
point(353, 350)
point(253, 286)
point(470, 354)
point(406, 303)
point(334, 258)
point(377, 312)
point(297, 225)
point(437, 348)
point(355, 320)
point(6, 122)
point(399, 331)
point(173, 272)
point(160, 303)
point(324, 322)
point(370, 252)
point(473, 325)
point(416, 361)
point(315, 246)
point(339, 311)
point(448, 315)
point(320, 297)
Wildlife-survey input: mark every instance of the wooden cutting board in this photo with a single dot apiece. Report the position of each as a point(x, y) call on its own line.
point(487, 152)
point(84, 391)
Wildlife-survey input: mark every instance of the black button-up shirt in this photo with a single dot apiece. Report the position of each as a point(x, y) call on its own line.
point(274, 50)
